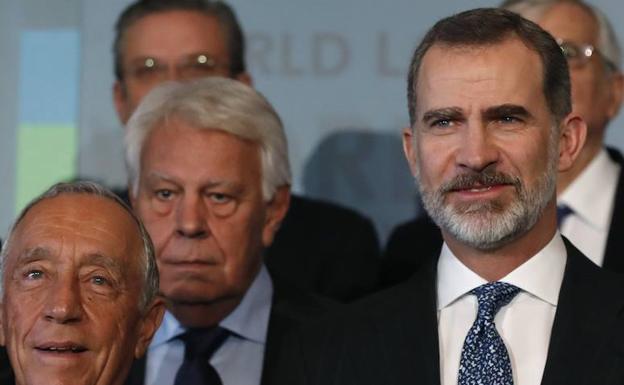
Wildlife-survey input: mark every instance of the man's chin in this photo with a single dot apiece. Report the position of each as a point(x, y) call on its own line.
point(197, 295)
point(191, 298)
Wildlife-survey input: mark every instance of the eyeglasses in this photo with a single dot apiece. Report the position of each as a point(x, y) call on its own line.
point(578, 55)
point(150, 69)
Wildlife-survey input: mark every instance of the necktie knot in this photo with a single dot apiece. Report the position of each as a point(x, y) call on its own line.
point(202, 342)
point(492, 297)
point(199, 346)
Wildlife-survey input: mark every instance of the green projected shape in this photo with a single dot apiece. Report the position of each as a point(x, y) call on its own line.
point(46, 154)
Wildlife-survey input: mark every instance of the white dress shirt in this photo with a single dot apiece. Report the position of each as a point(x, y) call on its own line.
point(524, 324)
point(591, 197)
point(239, 360)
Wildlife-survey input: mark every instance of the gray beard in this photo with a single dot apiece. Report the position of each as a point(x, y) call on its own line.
point(489, 225)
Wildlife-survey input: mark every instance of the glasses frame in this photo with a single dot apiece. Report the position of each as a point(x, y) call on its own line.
point(584, 54)
point(192, 66)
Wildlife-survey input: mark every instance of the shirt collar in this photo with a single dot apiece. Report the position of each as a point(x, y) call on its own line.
point(249, 320)
point(540, 276)
point(591, 204)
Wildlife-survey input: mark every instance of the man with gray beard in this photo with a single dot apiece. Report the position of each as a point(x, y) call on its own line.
point(508, 300)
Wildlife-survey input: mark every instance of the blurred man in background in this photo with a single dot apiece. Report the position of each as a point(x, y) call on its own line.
point(591, 192)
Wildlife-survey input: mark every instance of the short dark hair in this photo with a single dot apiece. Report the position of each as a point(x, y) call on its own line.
point(225, 15)
point(489, 26)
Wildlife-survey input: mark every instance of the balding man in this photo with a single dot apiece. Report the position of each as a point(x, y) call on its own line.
point(589, 195)
point(79, 289)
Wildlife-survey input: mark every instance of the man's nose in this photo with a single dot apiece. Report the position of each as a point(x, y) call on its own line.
point(477, 149)
point(174, 73)
point(64, 301)
point(191, 217)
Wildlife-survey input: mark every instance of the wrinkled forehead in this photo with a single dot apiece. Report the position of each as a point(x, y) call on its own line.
point(76, 226)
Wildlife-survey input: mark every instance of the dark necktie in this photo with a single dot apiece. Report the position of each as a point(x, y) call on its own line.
point(484, 357)
point(199, 345)
point(563, 211)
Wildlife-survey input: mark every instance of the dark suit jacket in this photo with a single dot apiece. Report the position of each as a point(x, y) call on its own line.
point(324, 249)
point(291, 308)
point(614, 251)
point(410, 246)
point(410, 242)
point(392, 337)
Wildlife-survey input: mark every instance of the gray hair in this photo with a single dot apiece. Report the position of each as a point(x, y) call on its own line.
point(607, 43)
point(150, 270)
point(213, 104)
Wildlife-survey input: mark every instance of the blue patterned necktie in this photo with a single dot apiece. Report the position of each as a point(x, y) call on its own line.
point(484, 357)
point(199, 345)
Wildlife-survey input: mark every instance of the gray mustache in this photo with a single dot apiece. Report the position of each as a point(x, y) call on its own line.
point(480, 179)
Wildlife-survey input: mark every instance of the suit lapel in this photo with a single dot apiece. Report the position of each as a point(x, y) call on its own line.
point(404, 343)
point(613, 259)
point(278, 325)
point(584, 321)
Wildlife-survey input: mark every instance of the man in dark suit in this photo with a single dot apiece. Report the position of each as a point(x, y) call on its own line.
point(210, 178)
point(320, 247)
point(590, 192)
point(508, 300)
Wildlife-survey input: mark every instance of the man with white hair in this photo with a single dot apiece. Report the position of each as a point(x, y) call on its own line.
point(321, 247)
point(590, 192)
point(210, 178)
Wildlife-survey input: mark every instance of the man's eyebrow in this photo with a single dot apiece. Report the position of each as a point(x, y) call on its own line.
point(33, 254)
point(503, 110)
point(104, 261)
point(450, 113)
point(156, 176)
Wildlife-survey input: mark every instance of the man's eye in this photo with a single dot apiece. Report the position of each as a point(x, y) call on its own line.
point(441, 123)
point(99, 280)
point(164, 194)
point(509, 119)
point(34, 274)
point(220, 198)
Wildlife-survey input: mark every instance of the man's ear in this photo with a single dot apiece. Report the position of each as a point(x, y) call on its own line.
point(245, 78)
point(409, 149)
point(571, 140)
point(616, 84)
point(120, 99)
point(148, 325)
point(276, 211)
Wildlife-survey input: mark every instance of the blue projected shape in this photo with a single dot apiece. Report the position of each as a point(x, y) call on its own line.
point(49, 75)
